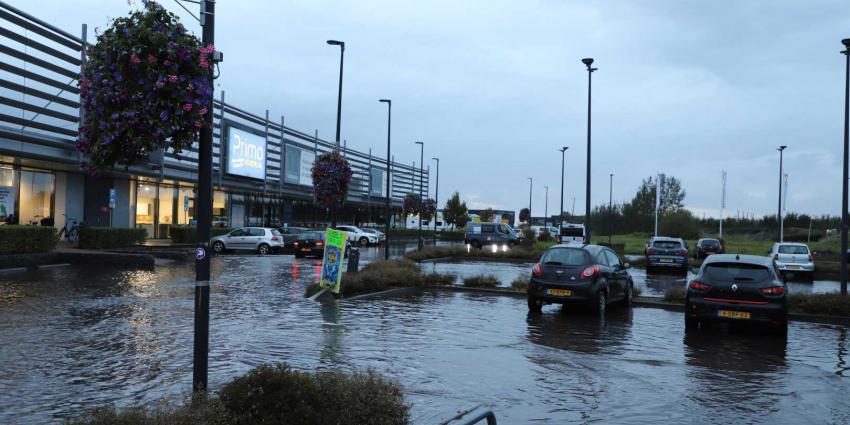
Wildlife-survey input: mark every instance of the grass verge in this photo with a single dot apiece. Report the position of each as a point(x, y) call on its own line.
point(481, 281)
point(829, 304)
point(532, 253)
point(386, 274)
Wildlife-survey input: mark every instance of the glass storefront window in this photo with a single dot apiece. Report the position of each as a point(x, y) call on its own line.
point(166, 210)
point(8, 195)
point(36, 198)
point(146, 207)
point(185, 205)
point(219, 213)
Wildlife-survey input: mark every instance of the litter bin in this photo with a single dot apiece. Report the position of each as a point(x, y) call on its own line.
point(353, 260)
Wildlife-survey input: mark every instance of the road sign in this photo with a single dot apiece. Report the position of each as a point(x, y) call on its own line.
point(186, 203)
point(111, 198)
point(332, 259)
point(200, 253)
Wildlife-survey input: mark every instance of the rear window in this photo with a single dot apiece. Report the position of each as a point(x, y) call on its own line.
point(310, 236)
point(566, 257)
point(710, 242)
point(793, 249)
point(574, 232)
point(276, 233)
point(666, 244)
point(737, 272)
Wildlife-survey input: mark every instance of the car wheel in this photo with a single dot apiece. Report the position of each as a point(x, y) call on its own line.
point(534, 304)
point(601, 303)
point(691, 323)
point(629, 295)
point(364, 241)
point(218, 247)
point(263, 249)
point(781, 328)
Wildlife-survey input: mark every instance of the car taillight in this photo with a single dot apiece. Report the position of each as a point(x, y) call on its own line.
point(773, 291)
point(590, 272)
point(295, 244)
point(683, 251)
point(274, 238)
point(650, 251)
point(776, 256)
point(536, 271)
point(320, 244)
point(810, 257)
point(699, 286)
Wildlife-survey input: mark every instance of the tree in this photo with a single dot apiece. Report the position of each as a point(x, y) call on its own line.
point(411, 204)
point(681, 224)
point(523, 214)
point(639, 214)
point(429, 207)
point(455, 212)
point(486, 215)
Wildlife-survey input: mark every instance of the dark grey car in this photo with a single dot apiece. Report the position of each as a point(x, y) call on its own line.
point(499, 234)
point(666, 253)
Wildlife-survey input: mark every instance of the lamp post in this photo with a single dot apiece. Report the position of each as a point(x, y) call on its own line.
point(587, 62)
point(546, 208)
point(200, 355)
point(389, 167)
point(421, 178)
point(781, 149)
point(610, 208)
point(436, 199)
point(561, 211)
point(530, 185)
point(341, 45)
point(846, 52)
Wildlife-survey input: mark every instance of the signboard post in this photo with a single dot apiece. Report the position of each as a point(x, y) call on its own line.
point(332, 259)
point(111, 204)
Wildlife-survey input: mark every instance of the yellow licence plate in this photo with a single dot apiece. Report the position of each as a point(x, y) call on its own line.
point(305, 249)
point(666, 260)
point(733, 314)
point(559, 292)
point(793, 267)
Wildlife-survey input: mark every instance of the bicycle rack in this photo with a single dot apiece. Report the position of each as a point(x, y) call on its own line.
point(473, 416)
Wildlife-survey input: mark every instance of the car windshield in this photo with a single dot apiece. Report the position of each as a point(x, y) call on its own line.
point(310, 236)
point(572, 232)
point(276, 233)
point(566, 257)
point(737, 272)
point(793, 249)
point(710, 242)
point(667, 244)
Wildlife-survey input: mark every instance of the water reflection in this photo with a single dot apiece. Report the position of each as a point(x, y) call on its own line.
point(332, 333)
point(581, 331)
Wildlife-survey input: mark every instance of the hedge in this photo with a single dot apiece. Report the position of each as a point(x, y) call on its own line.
point(17, 239)
point(110, 237)
point(189, 234)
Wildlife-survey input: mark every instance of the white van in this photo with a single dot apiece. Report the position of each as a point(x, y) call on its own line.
point(571, 233)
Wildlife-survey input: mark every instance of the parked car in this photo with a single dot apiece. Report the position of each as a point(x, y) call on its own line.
point(290, 234)
point(260, 239)
point(312, 244)
point(793, 257)
point(591, 275)
point(708, 246)
point(481, 234)
point(669, 253)
point(737, 288)
point(571, 233)
point(379, 234)
point(359, 236)
point(538, 231)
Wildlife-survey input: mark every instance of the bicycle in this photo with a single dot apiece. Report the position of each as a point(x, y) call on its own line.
point(72, 233)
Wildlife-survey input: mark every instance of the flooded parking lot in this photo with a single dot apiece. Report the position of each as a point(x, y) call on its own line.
point(76, 338)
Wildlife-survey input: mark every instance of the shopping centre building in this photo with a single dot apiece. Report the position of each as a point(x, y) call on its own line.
point(261, 171)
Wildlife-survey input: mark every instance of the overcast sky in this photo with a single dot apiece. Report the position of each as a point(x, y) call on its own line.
point(494, 88)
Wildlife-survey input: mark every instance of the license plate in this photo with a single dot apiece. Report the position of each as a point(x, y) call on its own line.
point(793, 267)
point(559, 292)
point(666, 260)
point(733, 314)
point(305, 249)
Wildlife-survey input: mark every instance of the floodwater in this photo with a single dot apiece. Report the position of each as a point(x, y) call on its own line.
point(77, 338)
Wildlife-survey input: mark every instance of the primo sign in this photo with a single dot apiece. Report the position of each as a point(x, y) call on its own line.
point(246, 153)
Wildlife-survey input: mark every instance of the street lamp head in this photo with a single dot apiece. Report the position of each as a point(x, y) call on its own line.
point(336, 43)
point(419, 143)
point(564, 149)
point(436, 159)
point(846, 42)
point(782, 148)
point(587, 61)
point(385, 101)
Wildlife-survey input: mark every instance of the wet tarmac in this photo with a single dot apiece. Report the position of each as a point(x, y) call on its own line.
point(77, 338)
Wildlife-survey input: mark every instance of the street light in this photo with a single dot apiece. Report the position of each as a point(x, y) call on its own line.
point(437, 199)
point(588, 62)
point(561, 211)
point(389, 167)
point(530, 185)
point(846, 52)
point(341, 45)
point(421, 178)
point(546, 208)
point(781, 149)
point(610, 208)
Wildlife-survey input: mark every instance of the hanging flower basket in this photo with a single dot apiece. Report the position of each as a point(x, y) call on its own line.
point(331, 177)
point(146, 86)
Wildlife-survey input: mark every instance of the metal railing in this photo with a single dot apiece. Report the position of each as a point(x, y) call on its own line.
point(473, 416)
point(40, 112)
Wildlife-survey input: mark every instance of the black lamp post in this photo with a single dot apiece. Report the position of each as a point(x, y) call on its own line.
point(588, 62)
point(341, 45)
point(437, 199)
point(779, 207)
point(389, 167)
point(610, 208)
point(844, 224)
point(546, 208)
point(530, 185)
point(421, 178)
point(561, 211)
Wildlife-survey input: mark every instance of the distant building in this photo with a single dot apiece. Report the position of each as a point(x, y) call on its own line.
point(499, 216)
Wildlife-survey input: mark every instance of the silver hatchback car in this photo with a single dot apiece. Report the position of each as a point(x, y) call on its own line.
point(258, 239)
point(793, 257)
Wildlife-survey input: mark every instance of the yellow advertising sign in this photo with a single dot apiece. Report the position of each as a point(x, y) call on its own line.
point(332, 259)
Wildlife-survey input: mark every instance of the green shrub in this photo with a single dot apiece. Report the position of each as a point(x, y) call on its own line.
point(110, 237)
point(200, 411)
point(675, 294)
point(520, 284)
point(528, 237)
point(528, 253)
point(312, 289)
point(481, 281)
point(382, 275)
point(831, 304)
point(280, 395)
point(16, 239)
point(434, 278)
point(189, 234)
point(680, 224)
